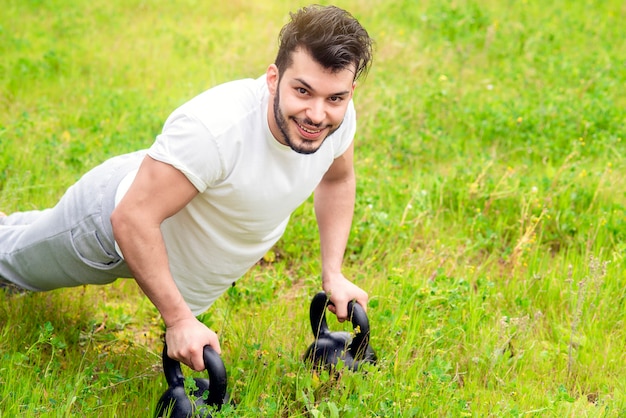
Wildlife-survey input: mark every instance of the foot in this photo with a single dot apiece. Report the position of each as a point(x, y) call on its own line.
point(11, 289)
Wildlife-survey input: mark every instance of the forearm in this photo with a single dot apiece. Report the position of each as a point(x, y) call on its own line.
point(334, 208)
point(158, 192)
point(144, 251)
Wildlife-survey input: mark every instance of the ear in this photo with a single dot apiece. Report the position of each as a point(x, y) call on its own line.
point(272, 79)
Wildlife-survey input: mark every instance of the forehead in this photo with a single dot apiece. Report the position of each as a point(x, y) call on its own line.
point(304, 68)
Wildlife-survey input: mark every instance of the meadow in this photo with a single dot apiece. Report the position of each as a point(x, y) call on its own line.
point(490, 225)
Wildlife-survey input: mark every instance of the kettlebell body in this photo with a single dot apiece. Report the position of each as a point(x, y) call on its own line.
point(210, 392)
point(330, 347)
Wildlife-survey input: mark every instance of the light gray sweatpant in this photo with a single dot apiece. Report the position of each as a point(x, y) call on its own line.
point(72, 243)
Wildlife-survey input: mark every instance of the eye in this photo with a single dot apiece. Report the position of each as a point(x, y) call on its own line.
point(335, 99)
point(301, 90)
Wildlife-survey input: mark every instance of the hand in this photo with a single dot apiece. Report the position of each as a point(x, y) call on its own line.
point(341, 291)
point(186, 340)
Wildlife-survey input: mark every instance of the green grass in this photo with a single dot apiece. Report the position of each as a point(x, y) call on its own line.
point(490, 228)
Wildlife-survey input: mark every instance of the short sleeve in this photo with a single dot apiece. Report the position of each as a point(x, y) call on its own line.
point(188, 146)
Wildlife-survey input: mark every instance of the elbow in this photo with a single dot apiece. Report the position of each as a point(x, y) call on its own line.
point(127, 220)
point(120, 222)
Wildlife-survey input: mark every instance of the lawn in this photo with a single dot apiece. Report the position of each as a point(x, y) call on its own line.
point(490, 227)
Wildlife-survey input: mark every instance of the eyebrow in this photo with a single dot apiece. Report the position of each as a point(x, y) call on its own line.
point(308, 86)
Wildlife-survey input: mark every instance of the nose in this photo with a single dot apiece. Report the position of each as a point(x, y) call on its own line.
point(316, 111)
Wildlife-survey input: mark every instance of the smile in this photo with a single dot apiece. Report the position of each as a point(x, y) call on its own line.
point(307, 132)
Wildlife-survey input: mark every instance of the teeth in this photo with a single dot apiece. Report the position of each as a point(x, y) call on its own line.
point(309, 131)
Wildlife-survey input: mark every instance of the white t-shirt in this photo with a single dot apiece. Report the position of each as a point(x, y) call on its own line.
point(248, 183)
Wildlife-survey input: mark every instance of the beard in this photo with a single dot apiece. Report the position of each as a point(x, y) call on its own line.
point(299, 145)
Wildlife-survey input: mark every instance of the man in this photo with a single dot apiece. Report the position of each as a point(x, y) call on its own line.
point(189, 216)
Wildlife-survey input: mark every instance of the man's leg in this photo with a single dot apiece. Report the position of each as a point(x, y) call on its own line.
point(71, 244)
point(20, 218)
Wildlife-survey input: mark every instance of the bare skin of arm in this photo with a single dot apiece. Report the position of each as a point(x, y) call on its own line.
point(158, 192)
point(334, 207)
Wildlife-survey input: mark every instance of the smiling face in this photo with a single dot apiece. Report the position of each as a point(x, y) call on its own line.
point(307, 102)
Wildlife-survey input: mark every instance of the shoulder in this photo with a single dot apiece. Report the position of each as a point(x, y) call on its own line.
point(226, 104)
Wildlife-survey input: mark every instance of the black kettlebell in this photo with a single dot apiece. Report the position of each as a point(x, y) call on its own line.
point(210, 392)
point(329, 347)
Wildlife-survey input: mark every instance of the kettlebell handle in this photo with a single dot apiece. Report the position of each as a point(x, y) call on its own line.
point(356, 314)
point(214, 366)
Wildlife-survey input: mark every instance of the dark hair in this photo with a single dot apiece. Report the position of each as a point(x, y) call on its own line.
point(332, 36)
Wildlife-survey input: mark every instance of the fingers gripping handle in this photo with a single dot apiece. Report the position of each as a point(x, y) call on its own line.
point(215, 369)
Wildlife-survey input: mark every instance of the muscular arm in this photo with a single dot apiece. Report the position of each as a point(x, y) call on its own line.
point(158, 192)
point(334, 208)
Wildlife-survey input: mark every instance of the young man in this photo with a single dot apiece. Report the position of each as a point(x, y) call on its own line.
point(189, 216)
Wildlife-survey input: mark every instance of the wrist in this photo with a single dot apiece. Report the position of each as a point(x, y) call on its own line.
point(330, 278)
point(176, 314)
